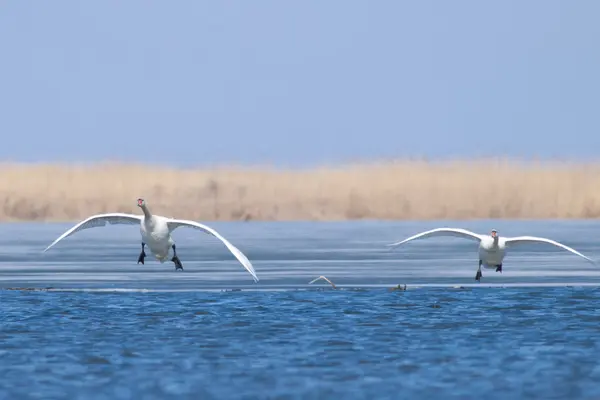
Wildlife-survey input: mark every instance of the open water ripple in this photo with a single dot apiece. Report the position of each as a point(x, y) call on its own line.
point(521, 342)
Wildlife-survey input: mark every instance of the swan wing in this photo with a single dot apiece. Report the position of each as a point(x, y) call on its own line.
point(324, 278)
point(99, 220)
point(531, 239)
point(457, 232)
point(176, 223)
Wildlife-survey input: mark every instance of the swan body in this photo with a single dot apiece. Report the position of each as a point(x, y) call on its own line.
point(491, 248)
point(155, 231)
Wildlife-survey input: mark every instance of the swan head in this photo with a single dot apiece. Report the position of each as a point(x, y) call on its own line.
point(494, 234)
point(141, 203)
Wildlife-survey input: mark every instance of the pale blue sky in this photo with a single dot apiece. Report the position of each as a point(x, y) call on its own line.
point(297, 83)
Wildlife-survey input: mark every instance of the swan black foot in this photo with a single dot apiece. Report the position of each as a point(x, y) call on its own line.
point(499, 268)
point(142, 255)
point(176, 260)
point(478, 274)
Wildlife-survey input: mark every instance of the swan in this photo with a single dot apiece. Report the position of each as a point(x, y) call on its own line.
point(492, 248)
point(156, 234)
point(323, 278)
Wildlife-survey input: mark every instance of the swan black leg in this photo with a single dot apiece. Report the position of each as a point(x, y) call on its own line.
point(142, 254)
point(499, 268)
point(478, 274)
point(176, 260)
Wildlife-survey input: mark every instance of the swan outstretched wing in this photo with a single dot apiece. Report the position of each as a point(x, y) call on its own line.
point(175, 223)
point(530, 239)
point(457, 232)
point(324, 278)
point(99, 220)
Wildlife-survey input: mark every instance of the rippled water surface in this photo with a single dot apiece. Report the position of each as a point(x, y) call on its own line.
point(112, 329)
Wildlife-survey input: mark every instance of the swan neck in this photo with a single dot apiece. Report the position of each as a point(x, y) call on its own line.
point(147, 214)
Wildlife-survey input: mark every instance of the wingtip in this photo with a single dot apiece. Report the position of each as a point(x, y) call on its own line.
point(49, 247)
point(254, 276)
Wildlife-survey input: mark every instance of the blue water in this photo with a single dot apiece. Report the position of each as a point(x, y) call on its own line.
point(112, 329)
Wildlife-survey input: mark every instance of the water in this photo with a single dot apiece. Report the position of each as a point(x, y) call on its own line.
point(112, 329)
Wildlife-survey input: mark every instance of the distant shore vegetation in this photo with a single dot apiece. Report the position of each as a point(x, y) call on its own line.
point(394, 190)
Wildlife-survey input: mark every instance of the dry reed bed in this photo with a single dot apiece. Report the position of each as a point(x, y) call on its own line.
point(392, 190)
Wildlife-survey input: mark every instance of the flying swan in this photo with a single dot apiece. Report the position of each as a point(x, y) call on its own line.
point(156, 234)
point(492, 248)
point(323, 278)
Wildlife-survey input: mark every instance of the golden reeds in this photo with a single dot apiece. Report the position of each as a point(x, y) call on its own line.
point(389, 190)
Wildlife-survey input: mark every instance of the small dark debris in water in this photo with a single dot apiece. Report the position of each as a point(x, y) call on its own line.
point(435, 306)
point(97, 360)
point(128, 353)
point(397, 287)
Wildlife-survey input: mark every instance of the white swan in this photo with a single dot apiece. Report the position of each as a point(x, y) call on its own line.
point(323, 278)
point(492, 248)
point(156, 234)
